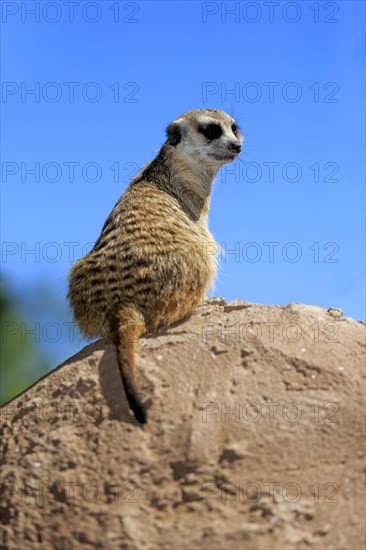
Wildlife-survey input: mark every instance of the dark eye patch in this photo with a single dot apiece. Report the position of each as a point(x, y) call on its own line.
point(234, 128)
point(210, 131)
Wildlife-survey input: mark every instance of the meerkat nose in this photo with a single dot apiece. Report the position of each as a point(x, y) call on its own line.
point(235, 147)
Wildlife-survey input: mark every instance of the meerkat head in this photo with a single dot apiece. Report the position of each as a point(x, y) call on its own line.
point(205, 136)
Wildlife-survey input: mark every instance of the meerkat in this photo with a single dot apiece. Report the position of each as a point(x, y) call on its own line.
point(153, 261)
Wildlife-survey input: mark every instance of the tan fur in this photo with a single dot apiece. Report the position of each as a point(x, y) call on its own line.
point(153, 261)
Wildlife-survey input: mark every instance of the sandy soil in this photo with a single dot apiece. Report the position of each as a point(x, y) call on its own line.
point(254, 439)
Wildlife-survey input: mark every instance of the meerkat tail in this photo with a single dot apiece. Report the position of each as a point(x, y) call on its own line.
point(130, 326)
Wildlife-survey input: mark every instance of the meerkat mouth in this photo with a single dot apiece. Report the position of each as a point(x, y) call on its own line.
point(224, 157)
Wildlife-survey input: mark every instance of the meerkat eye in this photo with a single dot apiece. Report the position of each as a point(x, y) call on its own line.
point(234, 128)
point(210, 131)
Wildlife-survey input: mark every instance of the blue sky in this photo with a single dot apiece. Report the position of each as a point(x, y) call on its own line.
point(110, 77)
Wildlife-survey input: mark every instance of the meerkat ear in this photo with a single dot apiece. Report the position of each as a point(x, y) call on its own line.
point(176, 131)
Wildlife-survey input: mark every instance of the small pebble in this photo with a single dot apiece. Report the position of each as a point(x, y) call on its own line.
point(335, 312)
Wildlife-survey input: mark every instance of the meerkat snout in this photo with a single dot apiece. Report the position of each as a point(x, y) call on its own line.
point(235, 147)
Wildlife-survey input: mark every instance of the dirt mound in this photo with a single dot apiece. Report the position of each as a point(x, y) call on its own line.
point(254, 439)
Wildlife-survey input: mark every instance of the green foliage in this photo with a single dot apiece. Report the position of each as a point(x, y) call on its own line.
point(22, 362)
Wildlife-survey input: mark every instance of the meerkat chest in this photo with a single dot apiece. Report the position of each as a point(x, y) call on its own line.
point(200, 243)
point(209, 246)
